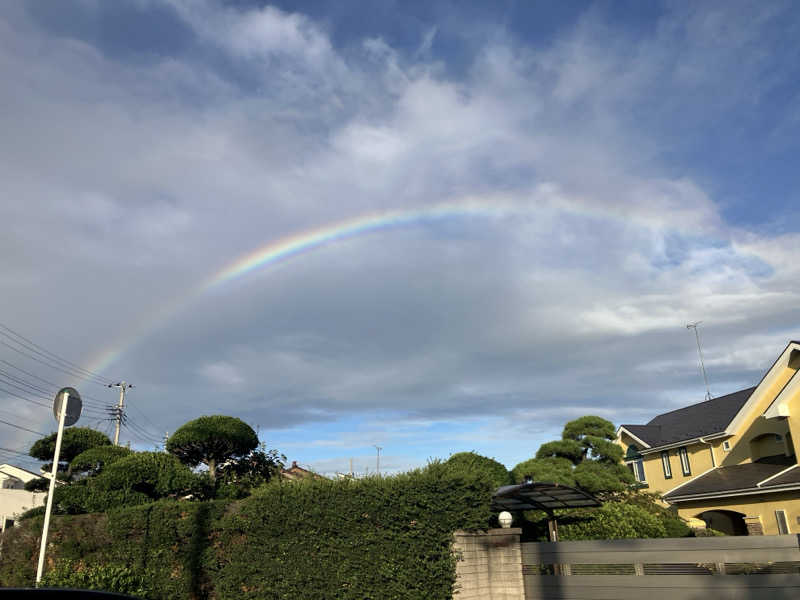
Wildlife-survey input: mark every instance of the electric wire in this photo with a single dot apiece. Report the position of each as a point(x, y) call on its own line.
point(141, 432)
point(23, 428)
point(33, 346)
point(57, 368)
point(89, 411)
point(55, 385)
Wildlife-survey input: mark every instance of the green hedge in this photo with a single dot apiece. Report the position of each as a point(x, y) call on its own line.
point(378, 538)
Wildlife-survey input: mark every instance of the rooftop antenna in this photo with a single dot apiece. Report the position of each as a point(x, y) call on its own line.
point(700, 354)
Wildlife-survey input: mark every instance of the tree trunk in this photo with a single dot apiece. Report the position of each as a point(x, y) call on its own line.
point(212, 469)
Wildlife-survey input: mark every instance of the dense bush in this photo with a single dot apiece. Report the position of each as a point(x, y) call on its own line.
point(613, 521)
point(135, 479)
point(93, 460)
point(110, 578)
point(377, 538)
point(471, 462)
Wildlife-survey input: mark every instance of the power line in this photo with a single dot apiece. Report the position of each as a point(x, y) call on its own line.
point(23, 428)
point(88, 408)
point(52, 366)
point(89, 411)
point(99, 402)
point(27, 388)
point(41, 350)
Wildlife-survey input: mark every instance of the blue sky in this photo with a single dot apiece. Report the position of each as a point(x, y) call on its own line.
point(635, 165)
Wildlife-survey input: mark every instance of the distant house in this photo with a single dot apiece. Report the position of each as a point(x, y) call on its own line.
point(295, 473)
point(729, 461)
point(14, 500)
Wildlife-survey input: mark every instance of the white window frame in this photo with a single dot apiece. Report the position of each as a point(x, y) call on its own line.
point(637, 468)
point(783, 522)
point(666, 465)
point(686, 467)
point(726, 446)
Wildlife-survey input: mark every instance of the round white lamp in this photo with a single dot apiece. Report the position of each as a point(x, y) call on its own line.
point(505, 519)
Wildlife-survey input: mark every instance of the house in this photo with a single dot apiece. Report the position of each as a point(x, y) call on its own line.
point(729, 461)
point(295, 473)
point(14, 500)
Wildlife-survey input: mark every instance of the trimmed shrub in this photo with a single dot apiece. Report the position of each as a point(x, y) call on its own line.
point(109, 578)
point(614, 521)
point(377, 538)
point(471, 462)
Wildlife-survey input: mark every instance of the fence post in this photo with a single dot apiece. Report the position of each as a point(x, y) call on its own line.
point(489, 565)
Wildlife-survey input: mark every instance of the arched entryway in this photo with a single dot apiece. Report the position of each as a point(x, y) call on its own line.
point(728, 522)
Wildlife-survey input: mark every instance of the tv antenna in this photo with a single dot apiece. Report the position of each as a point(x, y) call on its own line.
point(700, 354)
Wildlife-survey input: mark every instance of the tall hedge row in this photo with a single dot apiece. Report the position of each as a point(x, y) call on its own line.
point(368, 539)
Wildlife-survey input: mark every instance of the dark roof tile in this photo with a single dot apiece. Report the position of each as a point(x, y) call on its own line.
point(723, 479)
point(703, 418)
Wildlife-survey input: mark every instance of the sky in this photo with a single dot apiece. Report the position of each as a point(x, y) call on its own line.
point(430, 227)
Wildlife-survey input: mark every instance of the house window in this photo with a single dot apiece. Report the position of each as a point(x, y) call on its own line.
point(637, 467)
point(726, 445)
point(635, 463)
point(783, 524)
point(685, 467)
point(666, 465)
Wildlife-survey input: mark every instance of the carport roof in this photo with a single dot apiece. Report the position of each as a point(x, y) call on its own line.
point(536, 495)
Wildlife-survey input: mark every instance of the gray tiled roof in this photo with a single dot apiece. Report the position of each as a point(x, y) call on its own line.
point(737, 477)
point(704, 418)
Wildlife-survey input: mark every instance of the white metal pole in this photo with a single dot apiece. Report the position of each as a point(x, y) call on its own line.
point(62, 415)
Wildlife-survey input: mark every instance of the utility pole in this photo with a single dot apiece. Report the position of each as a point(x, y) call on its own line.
point(378, 459)
point(700, 354)
point(166, 439)
point(120, 407)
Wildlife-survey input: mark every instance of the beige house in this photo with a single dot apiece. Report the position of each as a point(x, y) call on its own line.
point(14, 500)
point(729, 461)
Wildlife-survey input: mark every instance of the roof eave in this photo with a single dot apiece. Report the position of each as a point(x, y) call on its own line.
point(622, 429)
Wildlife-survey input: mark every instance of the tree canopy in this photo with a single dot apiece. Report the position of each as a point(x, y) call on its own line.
point(211, 440)
point(94, 460)
point(473, 462)
point(74, 441)
point(586, 456)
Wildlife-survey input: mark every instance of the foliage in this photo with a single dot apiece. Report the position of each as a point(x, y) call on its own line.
point(135, 479)
point(613, 521)
point(212, 440)
point(109, 578)
point(40, 484)
point(553, 469)
point(586, 457)
point(568, 449)
point(470, 462)
point(93, 460)
point(74, 441)
point(241, 475)
point(373, 538)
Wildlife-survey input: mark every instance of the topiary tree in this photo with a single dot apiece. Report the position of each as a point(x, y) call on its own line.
point(211, 441)
point(586, 456)
point(473, 462)
point(155, 474)
point(93, 460)
point(550, 469)
point(74, 441)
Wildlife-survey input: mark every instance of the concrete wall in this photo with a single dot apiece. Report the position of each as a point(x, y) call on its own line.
point(489, 565)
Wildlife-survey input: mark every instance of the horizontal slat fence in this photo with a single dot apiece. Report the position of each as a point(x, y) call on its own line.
point(747, 567)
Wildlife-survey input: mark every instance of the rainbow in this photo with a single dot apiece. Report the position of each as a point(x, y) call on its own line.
point(292, 246)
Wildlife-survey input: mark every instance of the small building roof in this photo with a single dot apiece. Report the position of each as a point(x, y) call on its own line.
point(689, 422)
point(19, 472)
point(536, 495)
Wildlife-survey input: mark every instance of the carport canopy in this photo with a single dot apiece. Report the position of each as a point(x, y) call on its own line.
point(539, 495)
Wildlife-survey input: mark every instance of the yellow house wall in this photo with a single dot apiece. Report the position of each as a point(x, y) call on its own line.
point(699, 462)
point(763, 505)
point(756, 424)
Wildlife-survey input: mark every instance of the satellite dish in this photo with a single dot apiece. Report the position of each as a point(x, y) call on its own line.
point(74, 406)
